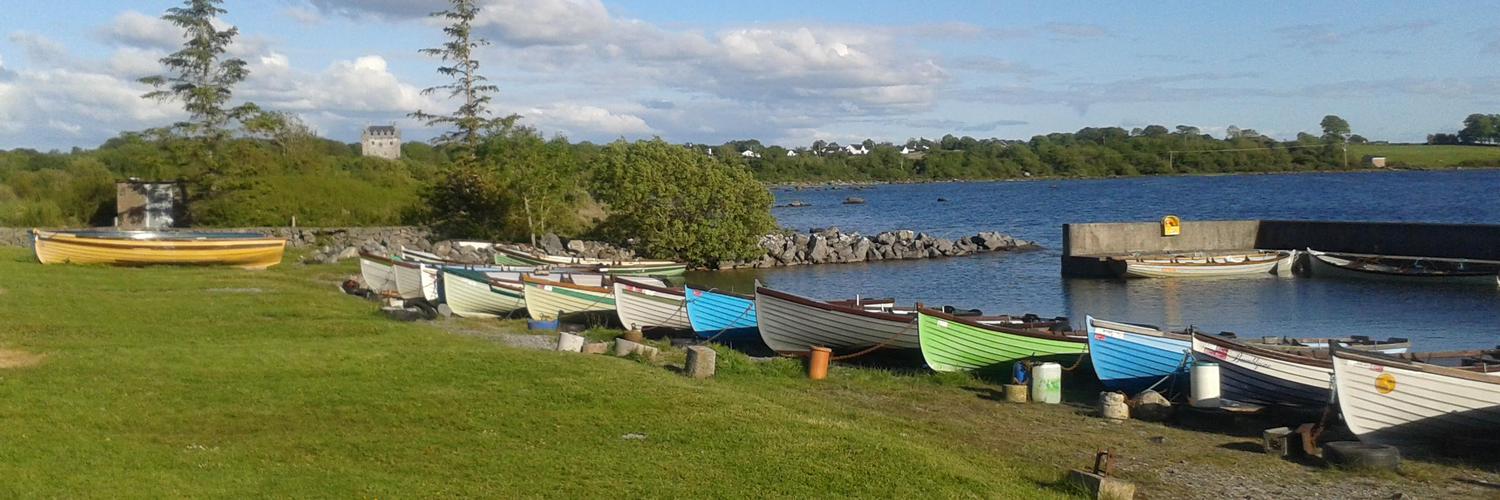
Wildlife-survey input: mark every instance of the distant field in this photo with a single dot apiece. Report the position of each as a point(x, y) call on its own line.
point(1421, 155)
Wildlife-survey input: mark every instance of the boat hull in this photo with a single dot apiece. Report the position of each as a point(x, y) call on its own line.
point(1413, 405)
point(379, 276)
point(794, 325)
point(1327, 265)
point(716, 315)
point(1156, 268)
point(642, 307)
point(1262, 376)
point(1132, 358)
point(950, 346)
point(242, 252)
point(414, 281)
point(548, 301)
point(470, 294)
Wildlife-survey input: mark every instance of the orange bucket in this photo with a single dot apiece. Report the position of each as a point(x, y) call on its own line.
point(817, 363)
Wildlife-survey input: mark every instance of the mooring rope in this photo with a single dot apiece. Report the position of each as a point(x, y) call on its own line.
point(730, 325)
point(878, 346)
point(1186, 356)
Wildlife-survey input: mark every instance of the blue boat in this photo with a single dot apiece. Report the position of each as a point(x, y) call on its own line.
point(721, 315)
point(1130, 358)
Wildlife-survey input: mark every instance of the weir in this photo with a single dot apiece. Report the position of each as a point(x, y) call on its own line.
point(1086, 247)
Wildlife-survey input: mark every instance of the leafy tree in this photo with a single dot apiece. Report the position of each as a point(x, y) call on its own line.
point(1480, 128)
point(1335, 129)
point(681, 204)
point(203, 79)
point(472, 118)
point(1358, 139)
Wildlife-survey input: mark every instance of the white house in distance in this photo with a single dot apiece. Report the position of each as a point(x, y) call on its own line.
point(791, 152)
point(856, 150)
point(381, 141)
point(749, 154)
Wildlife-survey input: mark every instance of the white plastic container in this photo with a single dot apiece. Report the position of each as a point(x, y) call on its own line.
point(1046, 384)
point(1205, 385)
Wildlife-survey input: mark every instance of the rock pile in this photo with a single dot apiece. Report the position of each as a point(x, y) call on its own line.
point(829, 246)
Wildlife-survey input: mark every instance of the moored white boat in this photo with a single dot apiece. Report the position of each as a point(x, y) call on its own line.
point(643, 305)
point(791, 324)
point(476, 294)
point(1404, 403)
point(1189, 266)
point(1399, 268)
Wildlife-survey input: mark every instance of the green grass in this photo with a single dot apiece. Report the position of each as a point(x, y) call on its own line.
point(1426, 156)
point(212, 382)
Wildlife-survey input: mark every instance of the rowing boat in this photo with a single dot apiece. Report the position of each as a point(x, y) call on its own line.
point(1132, 358)
point(791, 324)
point(574, 296)
point(1200, 266)
point(642, 305)
point(1399, 268)
point(478, 294)
point(1405, 403)
point(143, 248)
point(378, 272)
point(416, 281)
point(512, 255)
point(717, 314)
point(1258, 375)
point(954, 343)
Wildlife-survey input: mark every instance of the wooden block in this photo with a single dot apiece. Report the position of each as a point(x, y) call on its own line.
point(1101, 487)
point(1016, 393)
point(595, 348)
point(701, 361)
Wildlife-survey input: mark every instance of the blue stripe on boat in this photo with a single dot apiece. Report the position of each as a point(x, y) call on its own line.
point(1129, 361)
point(712, 312)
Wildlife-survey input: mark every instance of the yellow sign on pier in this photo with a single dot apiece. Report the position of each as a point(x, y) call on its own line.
point(1171, 226)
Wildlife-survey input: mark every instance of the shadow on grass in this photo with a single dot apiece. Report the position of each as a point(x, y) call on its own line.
point(1245, 446)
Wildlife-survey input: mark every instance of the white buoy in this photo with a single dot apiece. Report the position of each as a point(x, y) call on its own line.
point(1205, 382)
point(1046, 384)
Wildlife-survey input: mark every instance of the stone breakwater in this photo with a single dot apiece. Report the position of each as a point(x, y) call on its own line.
point(832, 246)
point(822, 246)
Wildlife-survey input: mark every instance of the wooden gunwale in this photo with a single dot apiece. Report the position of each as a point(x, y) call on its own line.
point(999, 329)
point(571, 286)
point(834, 307)
point(1263, 352)
point(1392, 362)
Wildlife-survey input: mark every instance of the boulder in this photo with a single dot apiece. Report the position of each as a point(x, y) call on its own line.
point(819, 252)
point(943, 246)
point(1151, 406)
point(886, 238)
point(578, 247)
point(550, 243)
point(403, 314)
point(905, 235)
point(348, 253)
point(443, 249)
point(860, 250)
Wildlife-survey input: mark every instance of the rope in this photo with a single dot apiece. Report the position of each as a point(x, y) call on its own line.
point(1186, 356)
point(876, 347)
point(728, 326)
point(1076, 363)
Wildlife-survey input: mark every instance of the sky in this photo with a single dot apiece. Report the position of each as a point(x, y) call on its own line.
point(784, 72)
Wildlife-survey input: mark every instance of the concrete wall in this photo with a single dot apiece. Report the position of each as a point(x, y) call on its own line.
point(1086, 245)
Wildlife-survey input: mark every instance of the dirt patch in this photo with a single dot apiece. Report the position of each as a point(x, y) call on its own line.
point(12, 358)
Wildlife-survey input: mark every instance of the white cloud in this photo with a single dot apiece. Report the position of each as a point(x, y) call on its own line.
point(40, 49)
point(134, 29)
point(586, 119)
point(303, 14)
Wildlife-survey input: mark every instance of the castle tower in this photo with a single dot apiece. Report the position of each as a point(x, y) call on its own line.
point(381, 141)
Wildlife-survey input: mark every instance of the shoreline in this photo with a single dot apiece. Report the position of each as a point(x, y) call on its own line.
point(836, 184)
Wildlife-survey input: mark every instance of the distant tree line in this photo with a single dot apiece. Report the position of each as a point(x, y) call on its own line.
point(1478, 129)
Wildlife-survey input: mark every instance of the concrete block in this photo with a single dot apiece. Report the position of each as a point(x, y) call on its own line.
point(568, 342)
point(444, 311)
point(625, 347)
point(1101, 487)
point(403, 314)
point(595, 348)
point(1281, 442)
point(701, 361)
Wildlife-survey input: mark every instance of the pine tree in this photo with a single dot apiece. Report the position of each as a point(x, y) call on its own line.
point(202, 78)
point(472, 118)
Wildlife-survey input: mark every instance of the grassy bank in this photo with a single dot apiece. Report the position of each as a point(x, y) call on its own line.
point(1428, 156)
point(207, 382)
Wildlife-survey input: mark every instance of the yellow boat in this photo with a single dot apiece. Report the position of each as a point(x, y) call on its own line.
point(144, 248)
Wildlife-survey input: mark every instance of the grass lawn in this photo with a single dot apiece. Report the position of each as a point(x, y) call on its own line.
point(215, 382)
point(1422, 155)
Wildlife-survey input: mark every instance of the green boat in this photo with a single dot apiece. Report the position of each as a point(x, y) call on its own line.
point(950, 344)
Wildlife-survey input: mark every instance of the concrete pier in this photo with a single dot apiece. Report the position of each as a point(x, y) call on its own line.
point(1086, 247)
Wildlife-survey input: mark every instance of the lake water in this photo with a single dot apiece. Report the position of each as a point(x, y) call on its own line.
point(1438, 317)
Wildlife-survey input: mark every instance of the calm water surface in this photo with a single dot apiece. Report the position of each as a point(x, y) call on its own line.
point(1437, 316)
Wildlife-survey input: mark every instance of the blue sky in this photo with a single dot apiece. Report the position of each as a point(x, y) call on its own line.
point(784, 72)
